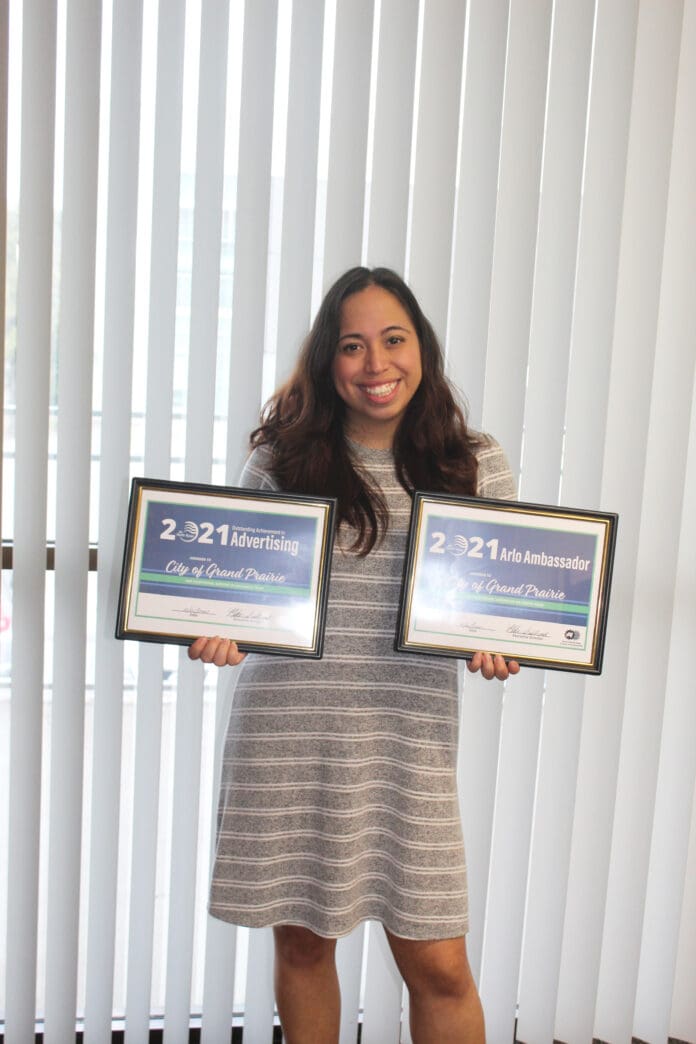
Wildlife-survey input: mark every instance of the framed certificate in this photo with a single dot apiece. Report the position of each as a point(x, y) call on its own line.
point(244, 564)
point(528, 581)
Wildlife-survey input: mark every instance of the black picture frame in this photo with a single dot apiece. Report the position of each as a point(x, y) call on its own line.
point(252, 565)
point(529, 581)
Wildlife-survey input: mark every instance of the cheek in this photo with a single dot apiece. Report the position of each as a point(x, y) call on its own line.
point(417, 370)
point(341, 371)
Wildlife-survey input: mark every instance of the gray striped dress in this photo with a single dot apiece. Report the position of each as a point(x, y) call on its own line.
point(338, 799)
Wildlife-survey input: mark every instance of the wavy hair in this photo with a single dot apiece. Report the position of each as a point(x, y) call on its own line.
point(303, 422)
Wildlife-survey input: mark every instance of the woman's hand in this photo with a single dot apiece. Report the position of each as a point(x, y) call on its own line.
point(223, 652)
point(492, 666)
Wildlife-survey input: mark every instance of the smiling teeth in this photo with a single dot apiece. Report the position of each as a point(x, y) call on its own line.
point(381, 390)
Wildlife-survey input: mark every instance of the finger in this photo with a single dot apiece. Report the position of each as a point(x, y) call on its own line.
point(487, 666)
point(500, 667)
point(234, 656)
point(210, 649)
point(197, 647)
point(513, 667)
point(474, 663)
point(222, 651)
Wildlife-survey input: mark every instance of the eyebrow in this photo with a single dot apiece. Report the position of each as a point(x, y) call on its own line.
point(387, 329)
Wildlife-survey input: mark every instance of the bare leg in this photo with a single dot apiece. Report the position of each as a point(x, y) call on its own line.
point(444, 1002)
point(306, 986)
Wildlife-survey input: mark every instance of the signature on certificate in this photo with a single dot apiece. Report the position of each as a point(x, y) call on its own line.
point(194, 611)
point(527, 632)
point(248, 615)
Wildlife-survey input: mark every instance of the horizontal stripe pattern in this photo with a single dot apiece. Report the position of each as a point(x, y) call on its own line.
point(338, 799)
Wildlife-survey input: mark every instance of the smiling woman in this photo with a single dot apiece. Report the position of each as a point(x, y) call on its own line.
point(339, 795)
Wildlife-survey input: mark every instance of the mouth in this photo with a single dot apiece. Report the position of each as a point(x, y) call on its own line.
point(379, 392)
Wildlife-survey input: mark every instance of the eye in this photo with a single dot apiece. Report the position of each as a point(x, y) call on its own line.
point(395, 339)
point(350, 348)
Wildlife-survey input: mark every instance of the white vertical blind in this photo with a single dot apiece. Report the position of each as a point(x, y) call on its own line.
point(393, 125)
point(75, 354)
point(349, 959)
point(217, 1000)
point(683, 1012)
point(433, 193)
point(300, 182)
point(531, 166)
point(157, 448)
point(549, 358)
point(383, 990)
point(117, 336)
point(251, 230)
point(511, 301)
point(345, 191)
point(479, 150)
point(33, 312)
point(658, 432)
point(587, 397)
point(677, 759)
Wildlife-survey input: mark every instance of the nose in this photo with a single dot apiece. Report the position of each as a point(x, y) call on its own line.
point(376, 358)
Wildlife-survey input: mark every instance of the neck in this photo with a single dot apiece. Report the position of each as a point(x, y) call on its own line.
point(371, 438)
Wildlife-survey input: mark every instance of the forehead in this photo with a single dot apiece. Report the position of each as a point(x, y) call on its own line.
point(373, 307)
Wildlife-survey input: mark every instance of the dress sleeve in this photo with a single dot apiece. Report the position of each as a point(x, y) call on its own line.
point(256, 473)
point(495, 478)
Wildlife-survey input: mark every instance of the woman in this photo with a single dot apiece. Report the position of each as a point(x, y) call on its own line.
point(338, 801)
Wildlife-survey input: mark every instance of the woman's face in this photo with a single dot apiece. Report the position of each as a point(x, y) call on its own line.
point(377, 367)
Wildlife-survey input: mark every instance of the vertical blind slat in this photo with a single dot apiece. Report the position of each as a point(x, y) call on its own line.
point(158, 425)
point(185, 816)
point(383, 990)
point(75, 351)
point(677, 766)
point(588, 394)
point(31, 441)
point(479, 149)
point(653, 463)
point(477, 769)
point(4, 711)
point(683, 1015)
point(349, 956)
point(205, 292)
point(248, 314)
point(345, 193)
point(512, 825)
point(550, 854)
point(393, 123)
point(550, 338)
point(511, 299)
point(556, 250)
point(146, 777)
point(300, 183)
point(113, 496)
point(207, 218)
point(251, 236)
point(258, 1003)
point(430, 249)
point(516, 224)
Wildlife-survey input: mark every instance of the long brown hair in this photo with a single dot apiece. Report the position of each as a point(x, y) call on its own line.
point(303, 422)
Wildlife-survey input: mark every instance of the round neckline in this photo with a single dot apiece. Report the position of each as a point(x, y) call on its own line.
point(361, 450)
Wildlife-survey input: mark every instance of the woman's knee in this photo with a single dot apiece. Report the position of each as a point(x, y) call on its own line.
point(301, 947)
point(439, 968)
